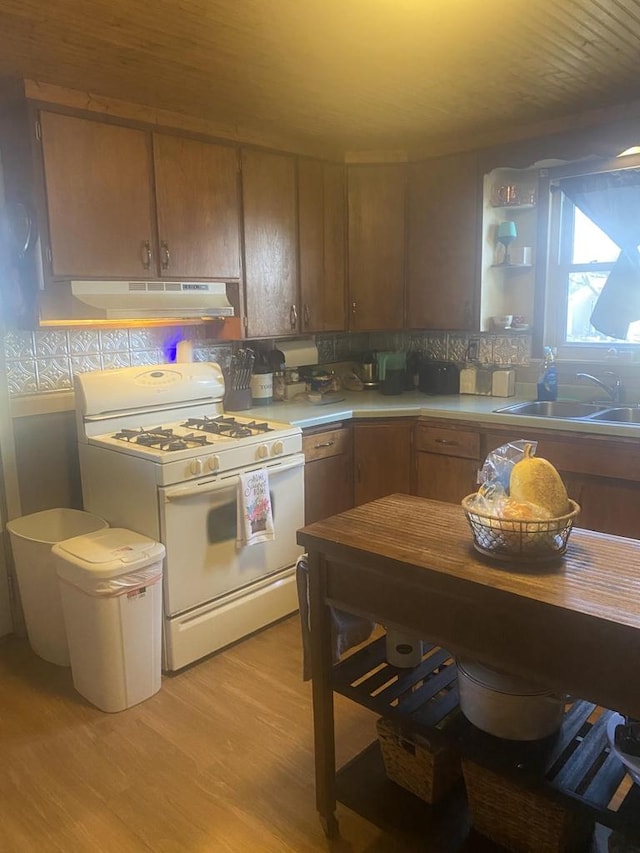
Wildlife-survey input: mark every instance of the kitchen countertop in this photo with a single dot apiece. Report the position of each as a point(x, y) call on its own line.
point(373, 404)
point(463, 407)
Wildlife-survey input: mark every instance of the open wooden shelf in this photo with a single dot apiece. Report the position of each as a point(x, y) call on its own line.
point(574, 765)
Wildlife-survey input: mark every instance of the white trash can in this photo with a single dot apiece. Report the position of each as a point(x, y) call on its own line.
point(112, 602)
point(31, 539)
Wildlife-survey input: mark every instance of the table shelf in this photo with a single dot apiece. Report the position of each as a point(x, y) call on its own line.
point(573, 765)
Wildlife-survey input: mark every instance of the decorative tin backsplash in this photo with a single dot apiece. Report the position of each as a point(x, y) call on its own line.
point(38, 362)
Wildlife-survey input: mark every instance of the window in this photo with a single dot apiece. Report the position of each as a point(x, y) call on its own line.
point(581, 257)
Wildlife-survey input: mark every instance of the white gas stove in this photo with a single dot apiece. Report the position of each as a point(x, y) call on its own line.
point(159, 455)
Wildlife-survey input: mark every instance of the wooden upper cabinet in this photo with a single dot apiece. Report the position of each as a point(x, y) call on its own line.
point(100, 181)
point(444, 243)
point(99, 195)
point(197, 196)
point(270, 237)
point(376, 222)
point(321, 234)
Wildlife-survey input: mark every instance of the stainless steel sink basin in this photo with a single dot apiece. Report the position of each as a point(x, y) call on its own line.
point(618, 415)
point(556, 409)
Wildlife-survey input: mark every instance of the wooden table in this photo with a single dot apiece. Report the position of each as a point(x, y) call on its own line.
point(572, 625)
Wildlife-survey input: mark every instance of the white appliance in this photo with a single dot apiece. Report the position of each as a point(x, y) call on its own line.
point(158, 455)
point(155, 298)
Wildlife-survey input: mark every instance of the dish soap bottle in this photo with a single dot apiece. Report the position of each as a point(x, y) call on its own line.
point(548, 379)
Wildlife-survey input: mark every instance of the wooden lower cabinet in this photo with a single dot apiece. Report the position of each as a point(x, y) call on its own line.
point(382, 458)
point(446, 462)
point(601, 473)
point(328, 472)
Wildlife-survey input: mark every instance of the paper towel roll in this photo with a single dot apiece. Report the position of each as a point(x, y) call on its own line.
point(184, 351)
point(299, 353)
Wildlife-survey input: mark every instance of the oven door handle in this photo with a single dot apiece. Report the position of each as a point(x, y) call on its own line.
point(189, 490)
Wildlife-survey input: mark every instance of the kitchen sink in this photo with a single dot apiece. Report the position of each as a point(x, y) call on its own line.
point(558, 409)
point(618, 415)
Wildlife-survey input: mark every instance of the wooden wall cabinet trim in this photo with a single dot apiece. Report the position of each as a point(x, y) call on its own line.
point(376, 239)
point(443, 243)
point(322, 245)
point(270, 243)
point(328, 473)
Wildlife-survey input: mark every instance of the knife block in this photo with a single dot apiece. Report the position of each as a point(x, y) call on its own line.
point(238, 399)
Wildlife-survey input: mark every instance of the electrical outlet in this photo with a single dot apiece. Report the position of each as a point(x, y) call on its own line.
point(473, 349)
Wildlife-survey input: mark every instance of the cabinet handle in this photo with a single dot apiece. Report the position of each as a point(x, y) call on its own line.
point(307, 315)
point(354, 307)
point(446, 441)
point(146, 255)
point(324, 444)
point(293, 317)
point(166, 254)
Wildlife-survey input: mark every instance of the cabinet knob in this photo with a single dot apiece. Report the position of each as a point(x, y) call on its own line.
point(146, 255)
point(166, 254)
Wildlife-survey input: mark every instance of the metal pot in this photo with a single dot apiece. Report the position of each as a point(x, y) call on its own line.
point(507, 706)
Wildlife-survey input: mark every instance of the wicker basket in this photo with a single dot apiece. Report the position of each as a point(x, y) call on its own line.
point(425, 768)
point(519, 819)
point(531, 541)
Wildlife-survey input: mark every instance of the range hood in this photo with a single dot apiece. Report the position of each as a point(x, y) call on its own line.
point(151, 299)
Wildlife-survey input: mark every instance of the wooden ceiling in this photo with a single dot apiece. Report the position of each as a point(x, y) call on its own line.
point(351, 74)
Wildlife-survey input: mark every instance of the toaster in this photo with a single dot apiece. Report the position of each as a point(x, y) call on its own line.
point(439, 377)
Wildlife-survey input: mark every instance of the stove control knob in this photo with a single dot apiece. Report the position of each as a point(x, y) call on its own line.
point(195, 467)
point(213, 463)
point(278, 448)
point(262, 451)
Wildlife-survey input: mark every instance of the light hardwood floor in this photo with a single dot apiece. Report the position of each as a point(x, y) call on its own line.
point(221, 759)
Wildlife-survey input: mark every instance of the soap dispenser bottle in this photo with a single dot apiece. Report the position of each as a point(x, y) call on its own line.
point(548, 379)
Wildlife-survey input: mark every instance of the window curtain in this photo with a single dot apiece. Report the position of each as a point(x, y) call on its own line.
point(612, 201)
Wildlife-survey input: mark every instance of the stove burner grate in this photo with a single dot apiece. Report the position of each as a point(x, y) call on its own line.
point(227, 426)
point(161, 438)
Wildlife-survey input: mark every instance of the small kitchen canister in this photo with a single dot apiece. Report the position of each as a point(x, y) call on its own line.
point(262, 388)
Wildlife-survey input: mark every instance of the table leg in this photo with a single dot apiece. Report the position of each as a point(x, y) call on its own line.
point(321, 668)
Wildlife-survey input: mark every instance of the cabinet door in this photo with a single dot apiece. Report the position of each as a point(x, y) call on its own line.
point(444, 243)
point(328, 472)
point(382, 459)
point(599, 473)
point(271, 273)
point(445, 478)
point(99, 196)
point(376, 217)
point(446, 461)
point(321, 231)
point(197, 196)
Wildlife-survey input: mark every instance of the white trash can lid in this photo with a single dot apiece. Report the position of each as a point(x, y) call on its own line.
point(105, 554)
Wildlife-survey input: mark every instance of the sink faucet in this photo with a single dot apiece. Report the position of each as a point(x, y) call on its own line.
point(615, 391)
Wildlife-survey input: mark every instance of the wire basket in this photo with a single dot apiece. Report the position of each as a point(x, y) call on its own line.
point(530, 541)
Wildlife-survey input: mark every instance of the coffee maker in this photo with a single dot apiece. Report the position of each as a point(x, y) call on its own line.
point(368, 371)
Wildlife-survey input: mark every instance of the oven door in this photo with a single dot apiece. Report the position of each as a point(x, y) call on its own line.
point(198, 526)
